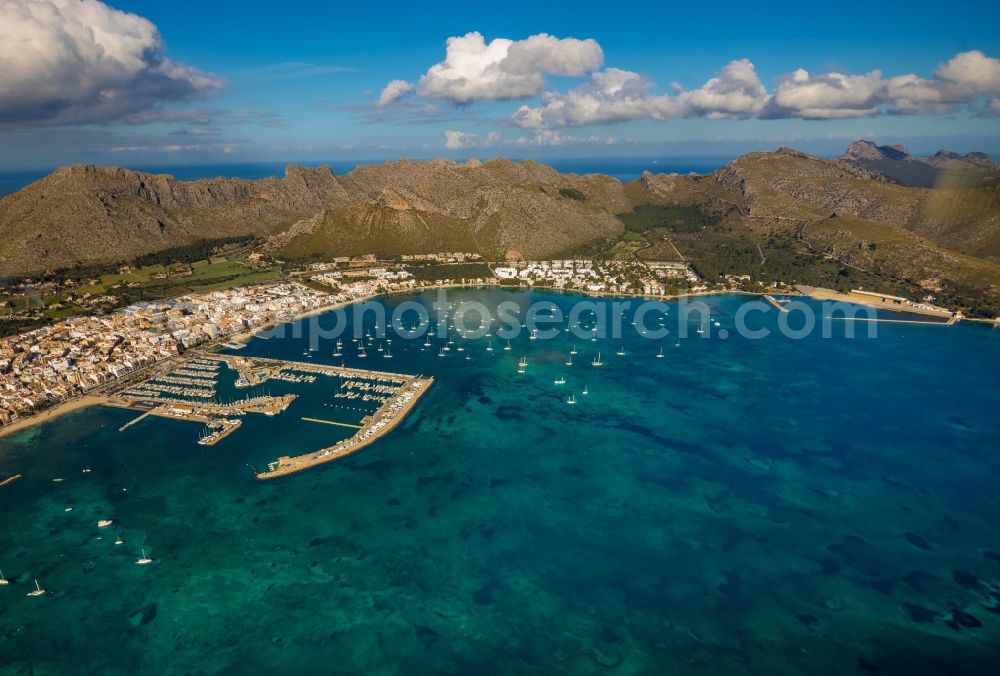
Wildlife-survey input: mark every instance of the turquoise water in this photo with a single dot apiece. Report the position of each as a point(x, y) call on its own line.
point(740, 506)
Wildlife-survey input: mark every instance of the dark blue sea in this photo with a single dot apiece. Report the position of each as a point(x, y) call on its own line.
point(738, 506)
point(625, 169)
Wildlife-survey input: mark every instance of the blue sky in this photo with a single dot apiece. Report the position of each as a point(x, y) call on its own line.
point(301, 81)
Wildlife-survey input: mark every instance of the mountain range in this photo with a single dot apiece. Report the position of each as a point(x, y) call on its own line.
point(895, 163)
point(931, 223)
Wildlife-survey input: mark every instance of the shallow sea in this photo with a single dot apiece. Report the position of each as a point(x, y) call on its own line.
point(766, 506)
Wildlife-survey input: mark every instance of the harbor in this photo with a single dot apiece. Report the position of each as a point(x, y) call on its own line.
point(374, 426)
point(882, 301)
point(185, 390)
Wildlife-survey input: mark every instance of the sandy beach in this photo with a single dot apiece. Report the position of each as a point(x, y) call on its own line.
point(50, 413)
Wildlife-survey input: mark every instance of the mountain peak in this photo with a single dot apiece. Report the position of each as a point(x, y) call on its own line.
point(863, 150)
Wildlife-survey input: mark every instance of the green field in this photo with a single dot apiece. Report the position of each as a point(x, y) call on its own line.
point(22, 312)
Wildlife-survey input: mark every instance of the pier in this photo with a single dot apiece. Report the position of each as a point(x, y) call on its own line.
point(257, 370)
point(375, 426)
point(880, 301)
point(332, 422)
point(395, 395)
point(770, 299)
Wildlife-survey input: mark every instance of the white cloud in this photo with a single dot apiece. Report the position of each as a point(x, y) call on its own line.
point(458, 140)
point(614, 95)
point(963, 79)
point(974, 71)
point(545, 53)
point(67, 61)
point(394, 91)
point(735, 92)
point(827, 96)
point(550, 137)
point(505, 69)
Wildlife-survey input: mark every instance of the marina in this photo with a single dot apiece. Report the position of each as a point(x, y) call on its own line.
point(380, 423)
point(393, 394)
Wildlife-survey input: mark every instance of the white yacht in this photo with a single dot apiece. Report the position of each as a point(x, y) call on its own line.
point(597, 360)
point(38, 590)
point(143, 560)
point(3, 580)
point(659, 355)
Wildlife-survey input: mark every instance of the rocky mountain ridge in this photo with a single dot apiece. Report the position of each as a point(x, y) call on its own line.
point(895, 163)
point(85, 215)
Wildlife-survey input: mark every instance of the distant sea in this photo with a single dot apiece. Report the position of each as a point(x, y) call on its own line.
point(625, 169)
point(774, 506)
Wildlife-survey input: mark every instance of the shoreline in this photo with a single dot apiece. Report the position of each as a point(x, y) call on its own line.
point(88, 400)
point(305, 461)
point(85, 401)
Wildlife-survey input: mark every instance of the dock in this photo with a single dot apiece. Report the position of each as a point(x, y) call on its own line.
point(394, 393)
point(254, 371)
point(377, 425)
point(879, 301)
point(332, 422)
point(9, 480)
point(879, 320)
point(771, 299)
point(135, 420)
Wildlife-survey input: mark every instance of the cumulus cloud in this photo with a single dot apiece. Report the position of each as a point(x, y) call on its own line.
point(735, 92)
point(963, 79)
point(72, 61)
point(459, 140)
point(972, 71)
point(549, 137)
point(827, 96)
point(393, 92)
point(614, 95)
point(505, 69)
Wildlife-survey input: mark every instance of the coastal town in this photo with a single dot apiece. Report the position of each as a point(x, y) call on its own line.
point(104, 352)
point(82, 354)
point(70, 358)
